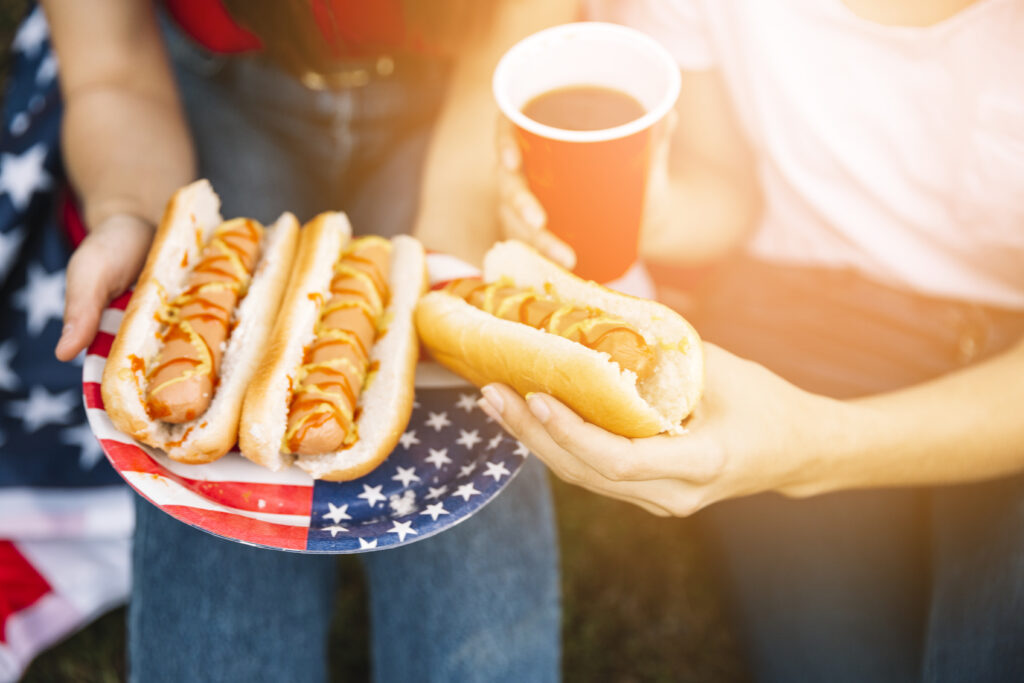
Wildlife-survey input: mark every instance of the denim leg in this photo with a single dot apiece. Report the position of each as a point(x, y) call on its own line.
point(826, 589)
point(479, 602)
point(205, 609)
point(976, 622)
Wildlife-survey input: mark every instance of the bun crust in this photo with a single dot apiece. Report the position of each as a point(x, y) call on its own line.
point(386, 400)
point(191, 215)
point(483, 348)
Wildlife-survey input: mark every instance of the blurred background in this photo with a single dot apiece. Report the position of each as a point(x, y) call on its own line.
point(639, 594)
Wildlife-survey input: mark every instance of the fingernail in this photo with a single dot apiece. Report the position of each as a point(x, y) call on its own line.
point(487, 409)
point(493, 399)
point(533, 215)
point(538, 407)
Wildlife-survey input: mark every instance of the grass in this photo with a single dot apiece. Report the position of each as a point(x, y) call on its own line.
point(640, 603)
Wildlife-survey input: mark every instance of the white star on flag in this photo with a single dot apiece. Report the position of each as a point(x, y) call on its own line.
point(467, 470)
point(334, 529)
point(438, 458)
point(364, 544)
point(467, 402)
point(403, 529)
point(468, 439)
point(10, 244)
point(8, 378)
point(435, 493)
point(41, 298)
point(32, 33)
point(435, 510)
point(47, 70)
point(408, 439)
point(82, 436)
point(372, 494)
point(466, 491)
point(19, 124)
point(494, 442)
point(337, 513)
point(521, 450)
point(496, 470)
point(22, 175)
point(438, 421)
point(43, 408)
point(406, 475)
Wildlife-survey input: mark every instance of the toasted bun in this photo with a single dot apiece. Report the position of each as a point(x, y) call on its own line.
point(483, 348)
point(386, 400)
point(191, 215)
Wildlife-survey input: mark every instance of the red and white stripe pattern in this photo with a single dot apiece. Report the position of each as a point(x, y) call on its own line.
point(231, 497)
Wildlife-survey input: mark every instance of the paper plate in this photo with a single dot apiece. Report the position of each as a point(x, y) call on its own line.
point(451, 461)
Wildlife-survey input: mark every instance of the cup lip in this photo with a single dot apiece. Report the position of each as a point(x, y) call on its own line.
point(655, 114)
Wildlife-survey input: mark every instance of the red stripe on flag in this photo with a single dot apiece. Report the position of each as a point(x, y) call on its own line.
point(93, 394)
point(278, 499)
point(101, 344)
point(21, 586)
point(242, 528)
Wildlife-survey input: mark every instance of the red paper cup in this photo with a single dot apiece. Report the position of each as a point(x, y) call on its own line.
point(591, 183)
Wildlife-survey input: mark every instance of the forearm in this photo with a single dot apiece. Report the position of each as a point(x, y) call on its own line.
point(959, 428)
point(126, 143)
point(125, 151)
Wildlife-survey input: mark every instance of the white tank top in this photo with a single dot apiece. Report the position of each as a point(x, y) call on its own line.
point(895, 151)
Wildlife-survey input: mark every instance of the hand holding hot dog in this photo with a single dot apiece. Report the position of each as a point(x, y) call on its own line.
point(104, 265)
point(751, 433)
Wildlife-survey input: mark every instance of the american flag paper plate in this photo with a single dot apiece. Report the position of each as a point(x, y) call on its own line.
point(451, 461)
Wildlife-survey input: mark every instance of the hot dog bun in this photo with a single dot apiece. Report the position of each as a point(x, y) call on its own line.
point(191, 217)
point(385, 402)
point(484, 348)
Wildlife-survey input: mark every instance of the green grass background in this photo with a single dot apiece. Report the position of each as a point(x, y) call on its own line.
point(639, 596)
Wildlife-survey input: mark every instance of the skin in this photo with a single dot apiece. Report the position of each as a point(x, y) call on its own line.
point(753, 431)
point(122, 122)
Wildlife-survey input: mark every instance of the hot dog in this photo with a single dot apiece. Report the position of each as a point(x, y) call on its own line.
point(631, 366)
point(196, 325)
point(334, 391)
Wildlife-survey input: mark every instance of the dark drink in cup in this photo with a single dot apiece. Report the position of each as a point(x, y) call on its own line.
point(583, 99)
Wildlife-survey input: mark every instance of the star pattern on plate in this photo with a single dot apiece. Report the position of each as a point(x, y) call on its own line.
point(438, 421)
point(337, 513)
point(438, 457)
point(469, 439)
point(496, 470)
point(406, 475)
point(372, 495)
point(403, 529)
point(435, 510)
point(33, 33)
point(408, 439)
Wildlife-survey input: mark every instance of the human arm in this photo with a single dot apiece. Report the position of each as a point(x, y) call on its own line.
point(755, 432)
point(458, 205)
point(125, 142)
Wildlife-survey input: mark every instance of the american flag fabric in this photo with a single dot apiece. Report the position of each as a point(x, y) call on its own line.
point(65, 516)
point(450, 461)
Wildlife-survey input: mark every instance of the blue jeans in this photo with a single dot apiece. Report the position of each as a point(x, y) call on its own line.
point(877, 585)
point(479, 602)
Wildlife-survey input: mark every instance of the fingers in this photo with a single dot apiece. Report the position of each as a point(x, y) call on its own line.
point(617, 458)
point(529, 422)
point(521, 216)
point(104, 265)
